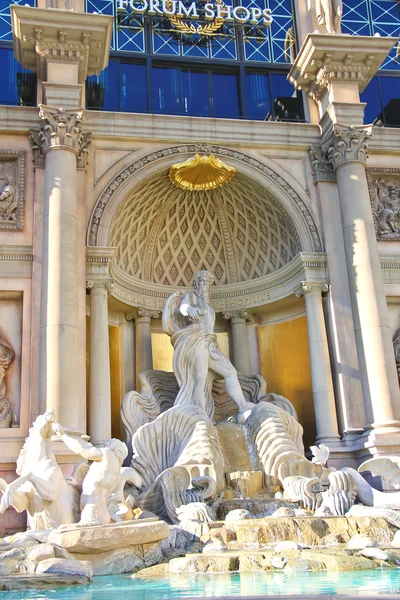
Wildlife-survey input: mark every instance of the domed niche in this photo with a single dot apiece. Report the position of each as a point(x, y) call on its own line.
point(164, 234)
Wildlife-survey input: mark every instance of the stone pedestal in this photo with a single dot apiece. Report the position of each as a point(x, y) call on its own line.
point(143, 350)
point(240, 342)
point(99, 363)
point(323, 396)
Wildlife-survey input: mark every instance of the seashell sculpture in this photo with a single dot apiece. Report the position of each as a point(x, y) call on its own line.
point(201, 173)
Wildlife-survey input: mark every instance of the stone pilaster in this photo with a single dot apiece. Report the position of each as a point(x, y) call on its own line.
point(99, 362)
point(347, 152)
point(240, 343)
point(60, 141)
point(322, 386)
point(143, 350)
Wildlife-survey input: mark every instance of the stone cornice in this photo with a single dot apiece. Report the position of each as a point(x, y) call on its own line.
point(52, 35)
point(60, 129)
point(347, 144)
point(324, 59)
point(239, 296)
point(16, 261)
point(98, 261)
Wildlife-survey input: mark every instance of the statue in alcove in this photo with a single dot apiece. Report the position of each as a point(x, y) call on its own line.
point(6, 356)
point(189, 319)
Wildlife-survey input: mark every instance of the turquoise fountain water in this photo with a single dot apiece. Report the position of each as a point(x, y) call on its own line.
point(362, 583)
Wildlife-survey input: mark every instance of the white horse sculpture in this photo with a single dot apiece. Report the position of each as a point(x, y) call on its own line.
point(41, 489)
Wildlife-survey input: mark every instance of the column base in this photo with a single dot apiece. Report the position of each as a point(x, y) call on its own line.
point(329, 440)
point(378, 441)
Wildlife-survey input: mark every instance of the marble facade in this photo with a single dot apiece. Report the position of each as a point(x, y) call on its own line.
point(90, 225)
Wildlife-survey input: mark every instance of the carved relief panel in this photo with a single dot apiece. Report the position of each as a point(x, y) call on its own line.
point(384, 189)
point(12, 183)
point(10, 358)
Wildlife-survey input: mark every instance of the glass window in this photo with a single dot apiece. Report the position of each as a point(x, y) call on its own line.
point(166, 90)
point(258, 95)
point(225, 95)
point(390, 94)
point(195, 94)
point(102, 91)
point(372, 97)
point(120, 87)
point(286, 104)
point(18, 85)
point(133, 95)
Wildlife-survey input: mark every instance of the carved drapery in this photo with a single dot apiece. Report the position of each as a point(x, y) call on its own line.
point(12, 189)
point(60, 129)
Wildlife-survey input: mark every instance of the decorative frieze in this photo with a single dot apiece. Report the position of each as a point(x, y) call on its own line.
point(384, 190)
point(348, 144)
point(12, 189)
point(60, 129)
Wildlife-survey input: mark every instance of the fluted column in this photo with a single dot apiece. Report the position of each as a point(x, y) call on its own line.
point(143, 350)
point(99, 362)
point(60, 143)
point(321, 376)
point(240, 342)
point(347, 151)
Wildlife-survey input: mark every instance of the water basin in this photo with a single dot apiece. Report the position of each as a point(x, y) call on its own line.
point(120, 587)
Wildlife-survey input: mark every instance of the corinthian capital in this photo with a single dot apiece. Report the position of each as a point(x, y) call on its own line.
point(348, 144)
point(60, 129)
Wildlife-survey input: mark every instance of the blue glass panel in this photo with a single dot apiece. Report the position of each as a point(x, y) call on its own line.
point(165, 40)
point(166, 90)
point(355, 17)
point(371, 96)
point(195, 95)
point(225, 95)
point(18, 85)
point(133, 94)
point(102, 91)
point(257, 95)
point(257, 44)
point(130, 34)
point(282, 22)
point(390, 94)
point(386, 21)
point(195, 47)
point(5, 19)
point(103, 7)
point(286, 104)
point(224, 46)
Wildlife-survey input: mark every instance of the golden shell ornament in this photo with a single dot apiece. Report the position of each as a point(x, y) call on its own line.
point(201, 173)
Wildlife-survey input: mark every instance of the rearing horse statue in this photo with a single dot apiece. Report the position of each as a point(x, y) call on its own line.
point(41, 489)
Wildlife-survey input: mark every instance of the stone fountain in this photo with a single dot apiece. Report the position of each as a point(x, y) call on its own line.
point(213, 465)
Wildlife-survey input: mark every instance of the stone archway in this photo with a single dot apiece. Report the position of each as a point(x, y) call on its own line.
point(128, 177)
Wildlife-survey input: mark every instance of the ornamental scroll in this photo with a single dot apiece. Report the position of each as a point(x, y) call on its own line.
point(384, 190)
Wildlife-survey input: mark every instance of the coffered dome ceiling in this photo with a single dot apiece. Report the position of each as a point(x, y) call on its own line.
point(239, 232)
